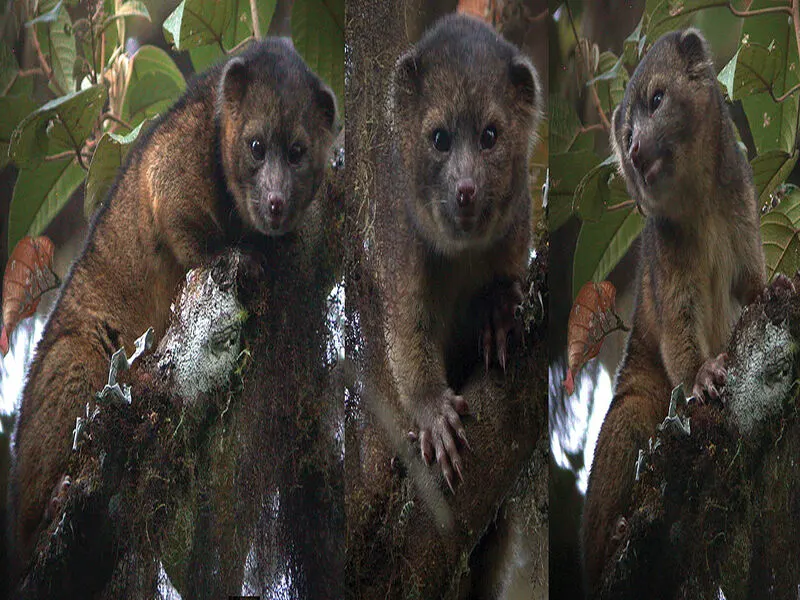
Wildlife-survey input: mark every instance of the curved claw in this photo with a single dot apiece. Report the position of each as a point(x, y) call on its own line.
point(500, 321)
point(711, 378)
point(441, 433)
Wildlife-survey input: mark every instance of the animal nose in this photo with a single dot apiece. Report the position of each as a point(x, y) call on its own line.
point(466, 192)
point(634, 154)
point(275, 204)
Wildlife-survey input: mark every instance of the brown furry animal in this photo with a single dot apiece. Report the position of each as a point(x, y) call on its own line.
point(237, 158)
point(465, 105)
point(701, 262)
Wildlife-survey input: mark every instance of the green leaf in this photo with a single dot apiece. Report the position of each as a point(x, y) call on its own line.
point(208, 39)
point(205, 56)
point(663, 16)
point(57, 39)
point(769, 171)
point(39, 195)
point(155, 83)
point(633, 46)
point(318, 35)
point(611, 82)
point(14, 109)
point(567, 169)
point(780, 237)
point(61, 124)
point(8, 67)
point(108, 158)
point(752, 70)
point(773, 125)
point(196, 23)
point(600, 188)
point(601, 245)
point(132, 8)
point(564, 124)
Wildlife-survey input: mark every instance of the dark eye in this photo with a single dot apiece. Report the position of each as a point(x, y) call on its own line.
point(296, 153)
point(628, 138)
point(656, 100)
point(441, 140)
point(488, 138)
point(257, 149)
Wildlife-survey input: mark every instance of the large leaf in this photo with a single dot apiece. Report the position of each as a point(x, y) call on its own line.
point(600, 188)
point(781, 237)
point(39, 195)
point(611, 82)
point(773, 125)
point(566, 172)
point(752, 70)
point(14, 109)
point(57, 39)
point(602, 244)
point(131, 8)
point(318, 35)
point(155, 83)
point(633, 46)
point(663, 16)
point(197, 23)
point(770, 170)
point(108, 158)
point(61, 124)
point(236, 31)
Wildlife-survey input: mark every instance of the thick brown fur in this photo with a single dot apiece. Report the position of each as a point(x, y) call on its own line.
point(701, 261)
point(191, 186)
point(442, 261)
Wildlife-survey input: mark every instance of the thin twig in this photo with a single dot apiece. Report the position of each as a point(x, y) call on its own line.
point(59, 156)
point(111, 117)
point(239, 46)
point(593, 127)
point(10, 84)
point(74, 143)
point(783, 97)
point(785, 9)
point(48, 72)
point(595, 98)
point(30, 72)
point(93, 65)
point(254, 17)
point(620, 206)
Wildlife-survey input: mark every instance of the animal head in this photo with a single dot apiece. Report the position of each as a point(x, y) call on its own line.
point(276, 121)
point(465, 105)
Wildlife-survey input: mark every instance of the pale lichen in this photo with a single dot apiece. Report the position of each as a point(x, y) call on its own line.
point(761, 379)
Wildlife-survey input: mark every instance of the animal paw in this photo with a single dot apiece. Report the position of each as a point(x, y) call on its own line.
point(441, 433)
point(58, 498)
point(498, 321)
point(711, 378)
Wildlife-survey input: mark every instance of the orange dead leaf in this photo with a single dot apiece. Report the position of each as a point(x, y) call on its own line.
point(475, 8)
point(29, 274)
point(591, 319)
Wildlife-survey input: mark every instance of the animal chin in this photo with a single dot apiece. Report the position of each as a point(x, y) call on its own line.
point(275, 227)
point(466, 224)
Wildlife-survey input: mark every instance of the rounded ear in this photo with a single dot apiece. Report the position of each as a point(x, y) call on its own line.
point(327, 102)
point(405, 80)
point(233, 83)
point(524, 80)
point(694, 49)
